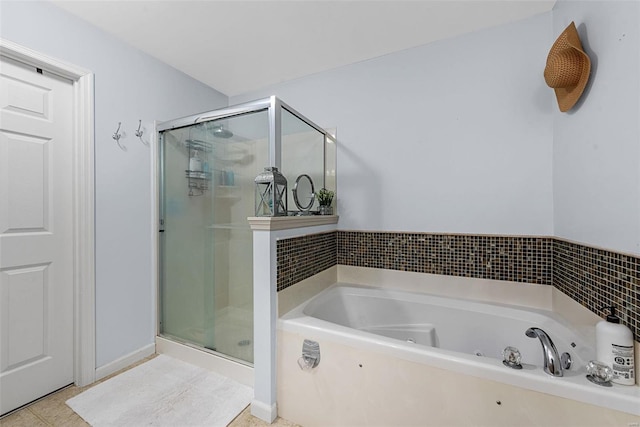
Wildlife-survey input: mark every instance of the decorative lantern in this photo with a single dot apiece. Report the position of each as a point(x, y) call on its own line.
point(271, 193)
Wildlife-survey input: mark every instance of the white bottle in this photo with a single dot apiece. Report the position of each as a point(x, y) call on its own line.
point(614, 346)
point(195, 164)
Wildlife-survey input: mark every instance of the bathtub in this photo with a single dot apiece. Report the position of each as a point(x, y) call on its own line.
point(415, 333)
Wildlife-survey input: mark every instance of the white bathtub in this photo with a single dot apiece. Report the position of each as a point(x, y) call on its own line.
point(462, 336)
point(467, 327)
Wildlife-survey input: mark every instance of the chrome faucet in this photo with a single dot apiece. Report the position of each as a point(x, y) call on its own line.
point(552, 362)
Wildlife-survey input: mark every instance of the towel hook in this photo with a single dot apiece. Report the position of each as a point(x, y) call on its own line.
point(139, 132)
point(117, 135)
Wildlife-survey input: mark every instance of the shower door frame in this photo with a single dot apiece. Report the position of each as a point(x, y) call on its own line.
point(274, 107)
point(273, 104)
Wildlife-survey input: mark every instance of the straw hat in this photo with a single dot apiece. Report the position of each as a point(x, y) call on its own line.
point(568, 67)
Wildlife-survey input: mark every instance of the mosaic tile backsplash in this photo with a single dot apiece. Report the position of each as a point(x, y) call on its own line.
point(519, 259)
point(301, 257)
point(596, 278)
point(593, 277)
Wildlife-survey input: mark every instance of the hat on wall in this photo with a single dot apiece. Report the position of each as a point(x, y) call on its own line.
point(568, 67)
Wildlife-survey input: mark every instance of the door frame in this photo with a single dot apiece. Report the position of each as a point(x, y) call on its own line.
point(84, 354)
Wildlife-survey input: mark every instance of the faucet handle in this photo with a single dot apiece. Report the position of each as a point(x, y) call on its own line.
point(512, 357)
point(565, 360)
point(599, 373)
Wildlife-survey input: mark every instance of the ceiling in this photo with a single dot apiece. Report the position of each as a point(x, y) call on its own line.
point(239, 46)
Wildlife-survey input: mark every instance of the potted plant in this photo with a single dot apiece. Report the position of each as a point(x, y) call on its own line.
point(325, 197)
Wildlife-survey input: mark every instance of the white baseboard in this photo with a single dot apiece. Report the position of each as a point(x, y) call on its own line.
point(264, 411)
point(124, 361)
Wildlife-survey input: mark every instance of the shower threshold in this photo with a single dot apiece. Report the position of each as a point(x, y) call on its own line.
point(224, 365)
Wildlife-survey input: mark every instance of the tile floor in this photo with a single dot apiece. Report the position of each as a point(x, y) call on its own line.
point(52, 411)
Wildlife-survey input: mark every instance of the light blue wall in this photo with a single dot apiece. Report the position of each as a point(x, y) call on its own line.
point(463, 135)
point(454, 136)
point(596, 167)
point(129, 86)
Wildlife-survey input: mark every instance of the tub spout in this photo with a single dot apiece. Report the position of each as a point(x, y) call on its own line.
point(552, 363)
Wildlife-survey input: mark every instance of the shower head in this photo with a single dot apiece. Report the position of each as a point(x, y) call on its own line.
point(220, 132)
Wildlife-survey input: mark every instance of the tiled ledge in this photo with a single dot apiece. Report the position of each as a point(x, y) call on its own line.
point(289, 222)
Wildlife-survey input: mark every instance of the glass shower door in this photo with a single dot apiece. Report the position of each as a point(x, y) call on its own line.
point(207, 193)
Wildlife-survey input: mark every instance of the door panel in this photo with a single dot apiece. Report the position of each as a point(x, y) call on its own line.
point(25, 302)
point(26, 161)
point(36, 234)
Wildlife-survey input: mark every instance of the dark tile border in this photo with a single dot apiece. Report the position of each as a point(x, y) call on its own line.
point(597, 277)
point(301, 257)
point(518, 259)
point(593, 277)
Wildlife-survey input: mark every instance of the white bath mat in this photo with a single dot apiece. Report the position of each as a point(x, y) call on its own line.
point(163, 392)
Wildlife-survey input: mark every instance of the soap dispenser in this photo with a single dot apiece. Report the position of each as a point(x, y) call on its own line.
point(614, 347)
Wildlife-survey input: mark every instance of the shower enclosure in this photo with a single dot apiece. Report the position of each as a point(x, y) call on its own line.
point(207, 166)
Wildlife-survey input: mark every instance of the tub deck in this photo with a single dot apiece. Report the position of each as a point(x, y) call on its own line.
point(461, 336)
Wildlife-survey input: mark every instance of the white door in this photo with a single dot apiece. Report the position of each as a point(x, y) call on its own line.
point(36, 234)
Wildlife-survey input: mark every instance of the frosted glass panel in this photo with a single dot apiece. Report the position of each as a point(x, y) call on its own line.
point(207, 266)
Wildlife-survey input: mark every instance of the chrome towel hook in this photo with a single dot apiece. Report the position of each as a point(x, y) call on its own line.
point(117, 135)
point(140, 132)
